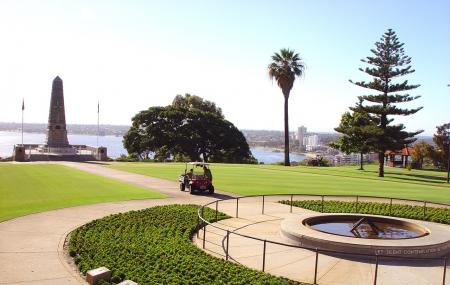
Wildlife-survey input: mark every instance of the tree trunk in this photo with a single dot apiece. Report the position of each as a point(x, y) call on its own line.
point(361, 161)
point(286, 130)
point(381, 164)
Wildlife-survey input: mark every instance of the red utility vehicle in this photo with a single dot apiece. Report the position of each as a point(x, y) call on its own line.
point(197, 179)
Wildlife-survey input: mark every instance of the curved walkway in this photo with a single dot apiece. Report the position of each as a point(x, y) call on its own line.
point(31, 247)
point(298, 264)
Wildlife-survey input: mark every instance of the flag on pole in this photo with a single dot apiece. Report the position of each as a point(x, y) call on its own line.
point(23, 104)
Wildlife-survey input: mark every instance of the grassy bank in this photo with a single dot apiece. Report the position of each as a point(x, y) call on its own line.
point(269, 179)
point(31, 188)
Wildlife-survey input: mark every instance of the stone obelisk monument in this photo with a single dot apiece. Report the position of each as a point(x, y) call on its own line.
point(57, 140)
point(57, 147)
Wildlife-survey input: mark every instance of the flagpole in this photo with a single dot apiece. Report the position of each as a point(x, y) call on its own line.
point(98, 120)
point(23, 108)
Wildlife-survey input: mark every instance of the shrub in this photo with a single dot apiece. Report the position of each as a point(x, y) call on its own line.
point(317, 161)
point(153, 246)
point(432, 214)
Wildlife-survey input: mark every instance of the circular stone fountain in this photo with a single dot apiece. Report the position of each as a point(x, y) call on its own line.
point(367, 234)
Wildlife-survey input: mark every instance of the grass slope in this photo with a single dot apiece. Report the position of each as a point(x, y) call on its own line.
point(26, 189)
point(270, 179)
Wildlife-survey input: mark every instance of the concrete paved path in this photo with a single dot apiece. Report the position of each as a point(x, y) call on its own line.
point(31, 247)
point(299, 264)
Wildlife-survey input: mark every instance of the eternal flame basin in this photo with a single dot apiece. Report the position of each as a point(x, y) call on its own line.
point(367, 234)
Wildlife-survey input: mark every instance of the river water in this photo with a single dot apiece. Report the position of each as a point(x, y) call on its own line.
point(115, 146)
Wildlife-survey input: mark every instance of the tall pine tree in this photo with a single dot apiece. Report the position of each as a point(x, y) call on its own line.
point(387, 63)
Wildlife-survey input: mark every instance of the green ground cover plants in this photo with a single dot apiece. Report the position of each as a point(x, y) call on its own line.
point(432, 214)
point(244, 179)
point(153, 246)
point(31, 188)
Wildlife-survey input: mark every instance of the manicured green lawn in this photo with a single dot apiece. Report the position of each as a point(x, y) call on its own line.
point(271, 179)
point(26, 189)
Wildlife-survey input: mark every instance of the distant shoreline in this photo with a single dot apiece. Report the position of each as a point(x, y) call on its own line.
point(274, 149)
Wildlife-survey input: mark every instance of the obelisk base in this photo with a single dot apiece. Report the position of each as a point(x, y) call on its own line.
point(57, 150)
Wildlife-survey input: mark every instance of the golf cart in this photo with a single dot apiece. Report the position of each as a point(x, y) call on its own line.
point(197, 179)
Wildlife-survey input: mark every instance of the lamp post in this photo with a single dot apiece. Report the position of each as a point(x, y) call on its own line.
point(448, 155)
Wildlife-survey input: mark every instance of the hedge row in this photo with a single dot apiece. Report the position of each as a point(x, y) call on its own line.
point(153, 246)
point(432, 214)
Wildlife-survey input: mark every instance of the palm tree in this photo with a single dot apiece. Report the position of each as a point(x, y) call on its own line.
point(285, 67)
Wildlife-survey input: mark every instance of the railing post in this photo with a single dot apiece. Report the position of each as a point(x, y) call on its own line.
point(322, 203)
point(424, 210)
point(376, 271)
point(198, 223)
point(316, 265)
point(292, 200)
point(263, 204)
point(237, 207)
point(264, 256)
point(204, 236)
point(228, 244)
point(217, 208)
point(445, 271)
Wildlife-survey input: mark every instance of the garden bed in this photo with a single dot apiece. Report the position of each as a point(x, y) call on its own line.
point(431, 214)
point(154, 246)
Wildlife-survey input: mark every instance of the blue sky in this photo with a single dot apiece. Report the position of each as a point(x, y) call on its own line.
point(134, 54)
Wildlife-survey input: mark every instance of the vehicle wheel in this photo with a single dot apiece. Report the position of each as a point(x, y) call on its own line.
point(211, 190)
point(182, 186)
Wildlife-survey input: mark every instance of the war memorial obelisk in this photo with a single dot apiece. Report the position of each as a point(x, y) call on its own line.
point(56, 146)
point(56, 140)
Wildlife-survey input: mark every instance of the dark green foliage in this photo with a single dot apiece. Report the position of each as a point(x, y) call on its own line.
point(422, 153)
point(186, 133)
point(153, 246)
point(317, 161)
point(432, 214)
point(191, 102)
point(441, 139)
point(358, 134)
point(387, 63)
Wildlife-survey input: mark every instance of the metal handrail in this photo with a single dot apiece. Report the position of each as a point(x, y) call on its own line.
point(205, 222)
point(201, 217)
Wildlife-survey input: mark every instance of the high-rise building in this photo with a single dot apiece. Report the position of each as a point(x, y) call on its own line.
point(300, 135)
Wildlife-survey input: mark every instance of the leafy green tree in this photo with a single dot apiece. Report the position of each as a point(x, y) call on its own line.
point(387, 63)
point(421, 151)
point(441, 140)
point(180, 132)
point(357, 131)
point(190, 102)
point(285, 67)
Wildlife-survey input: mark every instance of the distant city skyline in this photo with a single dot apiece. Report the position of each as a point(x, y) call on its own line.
point(133, 55)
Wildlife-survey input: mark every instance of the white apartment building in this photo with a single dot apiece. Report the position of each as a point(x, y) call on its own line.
point(311, 142)
point(353, 158)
